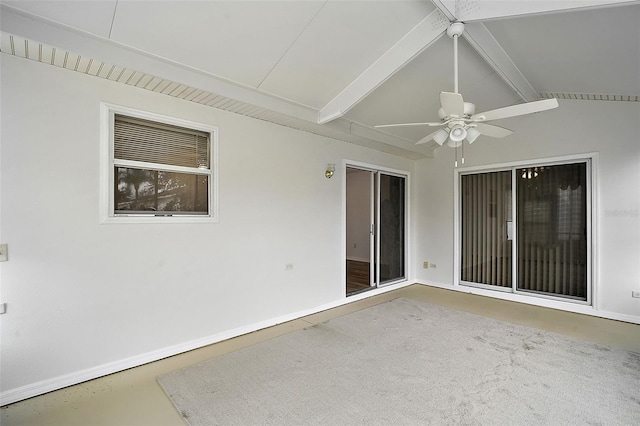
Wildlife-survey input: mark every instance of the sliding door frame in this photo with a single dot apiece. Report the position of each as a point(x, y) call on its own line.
point(590, 159)
point(375, 258)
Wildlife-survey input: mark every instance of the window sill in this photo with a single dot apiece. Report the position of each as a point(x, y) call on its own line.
point(157, 219)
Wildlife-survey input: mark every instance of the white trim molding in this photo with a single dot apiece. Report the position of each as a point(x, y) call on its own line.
point(535, 301)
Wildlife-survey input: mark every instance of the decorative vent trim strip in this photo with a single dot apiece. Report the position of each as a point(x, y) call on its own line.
point(590, 96)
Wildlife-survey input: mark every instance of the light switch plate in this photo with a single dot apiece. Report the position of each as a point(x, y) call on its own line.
point(4, 252)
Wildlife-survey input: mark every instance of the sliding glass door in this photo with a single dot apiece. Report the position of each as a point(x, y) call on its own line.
point(376, 229)
point(526, 230)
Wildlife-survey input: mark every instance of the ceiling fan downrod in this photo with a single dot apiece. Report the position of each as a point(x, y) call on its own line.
point(454, 31)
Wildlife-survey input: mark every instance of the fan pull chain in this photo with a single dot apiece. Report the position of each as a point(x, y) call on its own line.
point(461, 155)
point(455, 164)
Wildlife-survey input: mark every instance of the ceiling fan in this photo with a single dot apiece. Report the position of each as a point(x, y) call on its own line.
point(458, 118)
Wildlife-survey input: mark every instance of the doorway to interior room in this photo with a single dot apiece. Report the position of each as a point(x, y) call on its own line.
point(375, 225)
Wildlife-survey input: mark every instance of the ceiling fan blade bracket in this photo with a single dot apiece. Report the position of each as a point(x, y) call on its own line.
point(452, 104)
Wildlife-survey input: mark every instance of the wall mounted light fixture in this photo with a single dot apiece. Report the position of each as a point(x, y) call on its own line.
point(331, 169)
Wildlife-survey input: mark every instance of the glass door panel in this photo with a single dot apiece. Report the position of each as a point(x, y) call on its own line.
point(391, 240)
point(360, 217)
point(487, 229)
point(552, 230)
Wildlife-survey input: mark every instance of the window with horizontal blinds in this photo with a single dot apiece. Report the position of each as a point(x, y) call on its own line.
point(161, 169)
point(142, 140)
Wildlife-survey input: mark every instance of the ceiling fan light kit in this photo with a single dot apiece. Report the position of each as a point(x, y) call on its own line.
point(440, 136)
point(457, 134)
point(472, 134)
point(458, 118)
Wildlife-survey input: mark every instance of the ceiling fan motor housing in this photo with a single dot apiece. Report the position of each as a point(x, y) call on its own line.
point(455, 29)
point(469, 110)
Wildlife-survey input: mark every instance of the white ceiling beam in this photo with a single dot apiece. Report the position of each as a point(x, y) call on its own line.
point(414, 42)
point(447, 8)
point(492, 52)
point(477, 10)
point(487, 46)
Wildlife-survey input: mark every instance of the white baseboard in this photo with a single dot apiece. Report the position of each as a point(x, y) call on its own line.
point(536, 301)
point(34, 389)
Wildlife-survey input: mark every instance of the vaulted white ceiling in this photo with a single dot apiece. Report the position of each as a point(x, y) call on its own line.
point(339, 68)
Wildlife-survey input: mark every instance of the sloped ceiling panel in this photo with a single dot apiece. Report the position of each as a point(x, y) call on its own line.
point(237, 40)
point(94, 17)
point(343, 40)
point(588, 51)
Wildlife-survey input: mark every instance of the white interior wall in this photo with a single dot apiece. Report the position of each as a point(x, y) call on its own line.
point(82, 294)
point(612, 130)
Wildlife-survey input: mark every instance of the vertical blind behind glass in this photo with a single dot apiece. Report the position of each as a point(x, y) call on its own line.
point(486, 214)
point(552, 234)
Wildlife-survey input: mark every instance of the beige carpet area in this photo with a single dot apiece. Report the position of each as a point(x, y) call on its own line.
point(410, 362)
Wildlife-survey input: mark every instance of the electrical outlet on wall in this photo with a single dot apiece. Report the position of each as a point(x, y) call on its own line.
point(635, 294)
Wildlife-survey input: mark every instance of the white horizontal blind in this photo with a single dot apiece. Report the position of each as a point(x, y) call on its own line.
point(137, 139)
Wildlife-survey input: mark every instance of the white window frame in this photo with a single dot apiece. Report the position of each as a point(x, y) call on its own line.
point(591, 160)
point(107, 164)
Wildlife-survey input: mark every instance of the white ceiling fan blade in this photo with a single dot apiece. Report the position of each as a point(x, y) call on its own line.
point(443, 136)
point(409, 124)
point(452, 104)
point(492, 130)
point(515, 110)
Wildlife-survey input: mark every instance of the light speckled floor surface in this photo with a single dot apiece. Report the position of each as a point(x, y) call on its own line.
point(133, 397)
